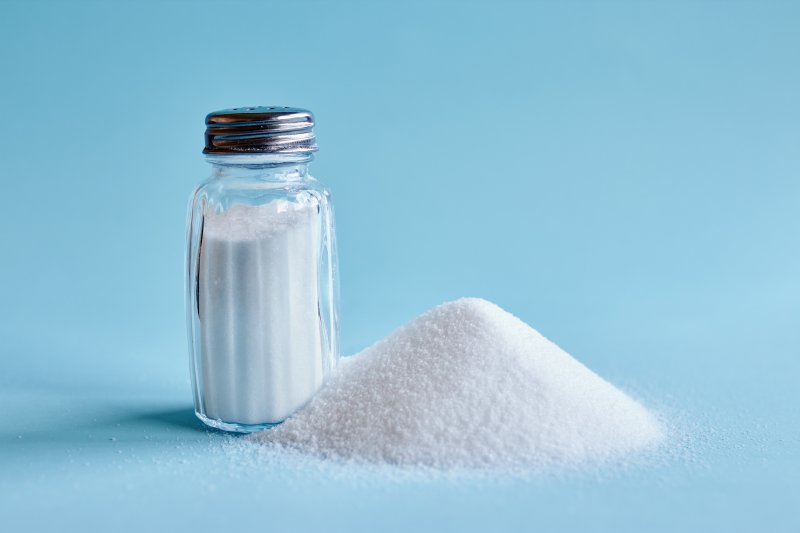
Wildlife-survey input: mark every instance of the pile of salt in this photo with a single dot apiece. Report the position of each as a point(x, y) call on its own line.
point(467, 384)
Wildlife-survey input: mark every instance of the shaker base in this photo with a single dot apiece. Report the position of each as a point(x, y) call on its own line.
point(233, 426)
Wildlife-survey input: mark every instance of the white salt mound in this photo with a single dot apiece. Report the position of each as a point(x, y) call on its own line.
point(467, 384)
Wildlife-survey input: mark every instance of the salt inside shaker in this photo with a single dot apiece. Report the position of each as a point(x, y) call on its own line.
point(261, 273)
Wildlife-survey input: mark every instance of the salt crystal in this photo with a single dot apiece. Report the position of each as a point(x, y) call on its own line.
point(467, 384)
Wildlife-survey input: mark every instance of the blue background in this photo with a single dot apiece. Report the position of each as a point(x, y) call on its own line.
point(624, 176)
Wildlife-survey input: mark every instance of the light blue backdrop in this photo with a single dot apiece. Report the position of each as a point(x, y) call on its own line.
point(625, 176)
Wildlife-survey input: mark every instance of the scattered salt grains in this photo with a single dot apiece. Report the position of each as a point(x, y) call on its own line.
point(467, 385)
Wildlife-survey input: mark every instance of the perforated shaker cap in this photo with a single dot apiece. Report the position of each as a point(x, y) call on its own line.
point(260, 129)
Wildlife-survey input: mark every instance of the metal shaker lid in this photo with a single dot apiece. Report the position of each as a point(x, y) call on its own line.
point(260, 129)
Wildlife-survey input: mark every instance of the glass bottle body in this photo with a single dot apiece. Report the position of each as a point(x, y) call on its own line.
point(261, 290)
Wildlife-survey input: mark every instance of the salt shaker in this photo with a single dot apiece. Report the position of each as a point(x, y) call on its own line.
point(261, 271)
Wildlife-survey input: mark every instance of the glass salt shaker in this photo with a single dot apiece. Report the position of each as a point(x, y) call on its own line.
point(261, 271)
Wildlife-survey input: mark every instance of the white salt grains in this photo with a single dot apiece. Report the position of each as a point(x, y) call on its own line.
point(467, 384)
point(262, 340)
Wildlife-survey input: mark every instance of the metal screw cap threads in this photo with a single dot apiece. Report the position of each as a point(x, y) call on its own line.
point(242, 130)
